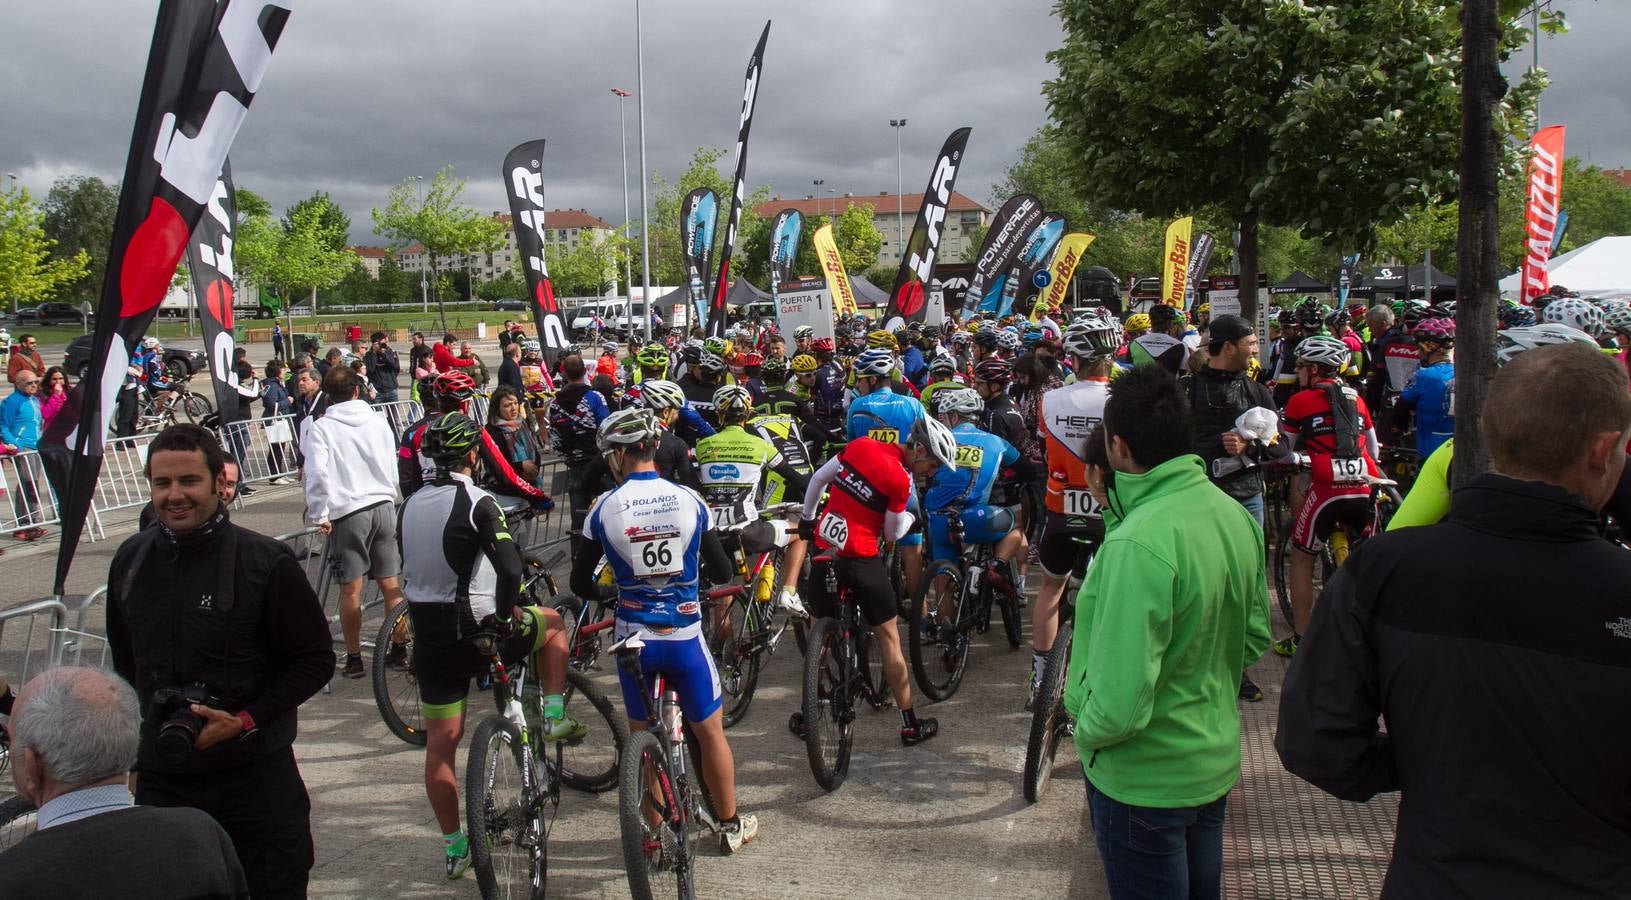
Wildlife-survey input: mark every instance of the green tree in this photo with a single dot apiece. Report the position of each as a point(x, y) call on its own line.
point(858, 240)
point(336, 225)
point(504, 286)
point(79, 214)
point(292, 257)
point(703, 172)
point(29, 269)
point(439, 222)
point(395, 285)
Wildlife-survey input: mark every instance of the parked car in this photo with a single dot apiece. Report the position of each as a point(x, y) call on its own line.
point(183, 364)
point(511, 303)
point(51, 311)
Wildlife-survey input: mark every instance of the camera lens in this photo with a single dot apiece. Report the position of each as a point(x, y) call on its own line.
point(174, 743)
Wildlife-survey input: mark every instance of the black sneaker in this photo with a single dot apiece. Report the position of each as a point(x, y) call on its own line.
point(795, 724)
point(245, 490)
point(925, 729)
point(353, 667)
point(1249, 690)
point(397, 657)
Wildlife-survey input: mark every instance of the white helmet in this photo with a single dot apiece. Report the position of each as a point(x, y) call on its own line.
point(732, 401)
point(875, 362)
point(1575, 313)
point(635, 427)
point(711, 362)
point(1512, 341)
point(962, 401)
point(150, 343)
point(660, 394)
point(1091, 337)
point(1323, 351)
point(935, 438)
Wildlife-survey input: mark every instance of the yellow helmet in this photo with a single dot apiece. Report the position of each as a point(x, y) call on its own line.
point(1137, 322)
point(802, 363)
point(881, 339)
point(1203, 309)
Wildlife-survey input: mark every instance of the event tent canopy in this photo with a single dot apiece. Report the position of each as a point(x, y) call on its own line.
point(1601, 269)
point(1300, 282)
point(1400, 279)
point(867, 293)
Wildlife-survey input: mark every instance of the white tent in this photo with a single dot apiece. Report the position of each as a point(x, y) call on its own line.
point(1600, 269)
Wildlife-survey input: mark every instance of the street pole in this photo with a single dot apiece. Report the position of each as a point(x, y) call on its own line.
point(645, 214)
point(628, 260)
point(424, 283)
point(900, 232)
point(834, 193)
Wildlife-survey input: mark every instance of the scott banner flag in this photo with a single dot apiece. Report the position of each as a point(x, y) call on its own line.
point(784, 245)
point(1175, 262)
point(204, 66)
point(1063, 269)
point(1541, 213)
point(1200, 256)
point(832, 266)
point(1038, 244)
point(1009, 227)
point(209, 261)
point(750, 93)
point(908, 300)
point(699, 214)
point(523, 175)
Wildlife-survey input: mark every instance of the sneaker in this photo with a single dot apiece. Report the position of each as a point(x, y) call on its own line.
point(456, 865)
point(245, 490)
point(353, 667)
point(795, 724)
point(732, 835)
point(1249, 691)
point(31, 534)
point(565, 729)
point(397, 657)
point(790, 601)
point(926, 728)
point(1286, 646)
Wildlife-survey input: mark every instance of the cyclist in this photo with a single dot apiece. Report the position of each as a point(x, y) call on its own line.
point(461, 574)
point(699, 383)
point(870, 487)
point(942, 375)
point(1431, 391)
point(667, 402)
point(965, 488)
point(879, 413)
point(1163, 344)
point(802, 338)
point(160, 386)
point(654, 361)
point(658, 538)
point(752, 370)
point(451, 392)
point(1331, 423)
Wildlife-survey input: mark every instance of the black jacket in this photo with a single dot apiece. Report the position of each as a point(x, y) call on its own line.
point(1216, 400)
point(509, 373)
point(383, 369)
point(1496, 646)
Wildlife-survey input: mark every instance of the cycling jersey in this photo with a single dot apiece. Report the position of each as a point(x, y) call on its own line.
point(1065, 418)
point(870, 488)
point(459, 564)
point(883, 416)
point(731, 467)
point(980, 459)
point(1311, 424)
point(574, 414)
point(155, 372)
point(1432, 394)
point(651, 530)
point(827, 395)
point(1164, 350)
point(783, 434)
point(1397, 358)
point(699, 395)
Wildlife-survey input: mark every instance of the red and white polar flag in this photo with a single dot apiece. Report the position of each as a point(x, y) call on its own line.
point(1540, 214)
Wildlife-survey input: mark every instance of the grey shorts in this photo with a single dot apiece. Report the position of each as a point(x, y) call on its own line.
point(364, 543)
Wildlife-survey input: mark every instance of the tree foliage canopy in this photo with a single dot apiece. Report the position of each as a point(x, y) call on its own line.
point(703, 172)
point(29, 268)
point(79, 214)
point(439, 222)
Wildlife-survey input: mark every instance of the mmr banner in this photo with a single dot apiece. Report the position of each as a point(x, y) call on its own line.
point(1175, 262)
point(1541, 214)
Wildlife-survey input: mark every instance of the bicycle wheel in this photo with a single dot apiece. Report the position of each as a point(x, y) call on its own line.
point(828, 705)
point(195, 408)
point(1049, 721)
point(504, 816)
point(1011, 623)
point(591, 764)
point(16, 822)
point(396, 691)
point(939, 650)
point(739, 656)
point(1282, 577)
point(652, 817)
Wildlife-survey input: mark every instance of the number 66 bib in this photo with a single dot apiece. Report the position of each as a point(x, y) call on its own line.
point(656, 556)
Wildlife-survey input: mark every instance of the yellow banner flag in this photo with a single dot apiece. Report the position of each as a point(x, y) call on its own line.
point(832, 266)
point(1065, 258)
point(1175, 262)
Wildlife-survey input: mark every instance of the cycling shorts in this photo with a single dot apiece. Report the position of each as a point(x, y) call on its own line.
point(682, 657)
point(868, 584)
point(444, 671)
point(1323, 511)
point(985, 524)
point(1067, 543)
point(913, 538)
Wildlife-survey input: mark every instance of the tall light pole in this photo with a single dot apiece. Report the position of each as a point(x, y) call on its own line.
point(900, 232)
point(834, 193)
point(13, 177)
point(424, 271)
point(645, 215)
point(623, 127)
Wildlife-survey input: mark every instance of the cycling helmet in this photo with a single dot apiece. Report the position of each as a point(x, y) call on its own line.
point(1448, 309)
point(1516, 315)
point(936, 438)
point(711, 362)
point(881, 340)
point(803, 363)
point(150, 343)
point(1137, 323)
point(775, 370)
point(931, 332)
point(1163, 316)
point(1310, 314)
point(652, 356)
point(1336, 317)
point(1575, 313)
point(1007, 341)
point(751, 359)
point(942, 364)
point(1414, 313)
point(635, 428)
point(1617, 318)
point(531, 347)
point(1512, 341)
point(716, 346)
point(1323, 351)
point(1437, 331)
point(733, 402)
point(1286, 317)
point(661, 394)
point(822, 345)
point(691, 352)
point(609, 347)
point(455, 385)
point(875, 362)
point(803, 332)
point(960, 338)
point(1091, 337)
point(962, 401)
point(450, 437)
point(987, 337)
point(994, 370)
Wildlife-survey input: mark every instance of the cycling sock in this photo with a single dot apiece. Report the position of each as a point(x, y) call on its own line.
point(456, 843)
point(908, 719)
point(6, 700)
point(1039, 662)
point(554, 706)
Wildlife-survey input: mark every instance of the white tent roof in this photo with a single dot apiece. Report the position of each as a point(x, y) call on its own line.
point(1601, 269)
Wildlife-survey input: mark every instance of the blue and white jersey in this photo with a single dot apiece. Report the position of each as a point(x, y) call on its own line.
point(981, 457)
point(651, 532)
point(884, 416)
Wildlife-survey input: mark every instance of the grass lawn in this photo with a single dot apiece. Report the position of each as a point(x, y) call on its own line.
point(166, 328)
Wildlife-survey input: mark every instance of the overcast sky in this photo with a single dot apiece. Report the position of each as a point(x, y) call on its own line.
point(364, 93)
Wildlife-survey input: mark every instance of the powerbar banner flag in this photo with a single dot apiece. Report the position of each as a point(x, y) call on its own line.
point(1541, 213)
point(907, 302)
point(523, 175)
point(1200, 256)
point(1038, 244)
point(716, 310)
point(699, 213)
point(784, 245)
point(209, 261)
point(204, 66)
point(832, 266)
point(1009, 227)
point(1175, 262)
point(1346, 276)
point(1063, 269)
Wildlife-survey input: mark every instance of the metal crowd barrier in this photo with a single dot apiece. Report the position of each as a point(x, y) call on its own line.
point(264, 448)
point(41, 625)
point(26, 498)
point(400, 414)
point(122, 483)
point(73, 640)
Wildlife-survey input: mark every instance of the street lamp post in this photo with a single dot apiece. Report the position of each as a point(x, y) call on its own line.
point(424, 280)
point(645, 215)
point(900, 233)
point(834, 193)
point(623, 128)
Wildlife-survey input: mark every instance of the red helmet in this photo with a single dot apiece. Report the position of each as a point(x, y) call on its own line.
point(455, 385)
point(823, 345)
point(752, 359)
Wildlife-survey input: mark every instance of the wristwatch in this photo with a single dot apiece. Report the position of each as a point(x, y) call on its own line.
point(248, 723)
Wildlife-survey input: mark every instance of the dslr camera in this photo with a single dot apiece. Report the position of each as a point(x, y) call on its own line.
point(178, 724)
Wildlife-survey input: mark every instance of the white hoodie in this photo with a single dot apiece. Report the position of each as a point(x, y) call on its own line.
point(350, 461)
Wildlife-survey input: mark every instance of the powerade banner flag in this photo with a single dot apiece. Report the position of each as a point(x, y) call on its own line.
point(1033, 272)
point(716, 310)
point(203, 69)
point(523, 175)
point(699, 213)
point(209, 260)
point(784, 245)
point(1175, 262)
point(832, 266)
point(1069, 253)
point(1541, 214)
point(908, 300)
point(1345, 278)
point(1200, 256)
point(1038, 244)
point(1009, 228)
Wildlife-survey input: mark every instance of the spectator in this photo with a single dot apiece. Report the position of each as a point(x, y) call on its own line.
point(75, 736)
point(506, 422)
point(301, 361)
point(236, 422)
point(277, 341)
point(174, 593)
point(330, 359)
point(509, 371)
point(308, 405)
point(1495, 653)
point(20, 425)
point(419, 358)
point(276, 402)
point(54, 395)
point(1174, 607)
point(365, 390)
point(442, 356)
point(383, 368)
point(508, 336)
point(25, 358)
point(478, 369)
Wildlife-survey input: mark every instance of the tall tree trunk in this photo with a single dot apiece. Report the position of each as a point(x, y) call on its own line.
point(1249, 266)
point(436, 291)
point(1478, 242)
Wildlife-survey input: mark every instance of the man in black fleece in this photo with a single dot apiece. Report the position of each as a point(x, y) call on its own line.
point(217, 628)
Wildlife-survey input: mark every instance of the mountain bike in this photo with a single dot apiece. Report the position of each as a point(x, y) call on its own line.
point(842, 664)
point(751, 626)
point(953, 599)
point(1051, 723)
point(184, 407)
point(1351, 531)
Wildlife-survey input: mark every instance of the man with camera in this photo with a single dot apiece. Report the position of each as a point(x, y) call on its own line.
point(223, 638)
point(383, 368)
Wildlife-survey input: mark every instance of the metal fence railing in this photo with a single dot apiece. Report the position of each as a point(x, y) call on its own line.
point(31, 637)
point(400, 414)
point(26, 499)
point(264, 448)
point(122, 483)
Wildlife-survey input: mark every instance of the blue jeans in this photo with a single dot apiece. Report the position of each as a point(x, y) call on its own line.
point(1159, 854)
point(1254, 505)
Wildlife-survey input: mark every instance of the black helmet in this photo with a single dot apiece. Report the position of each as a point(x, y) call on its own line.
point(450, 437)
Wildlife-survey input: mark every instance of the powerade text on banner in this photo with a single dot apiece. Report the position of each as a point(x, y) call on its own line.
point(911, 293)
point(1005, 290)
point(523, 175)
point(1034, 262)
point(203, 68)
point(1541, 212)
point(750, 93)
point(1200, 256)
point(209, 263)
point(698, 215)
point(1011, 225)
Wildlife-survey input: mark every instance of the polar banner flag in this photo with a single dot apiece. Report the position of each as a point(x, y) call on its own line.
point(1175, 262)
point(1541, 213)
point(524, 181)
point(699, 214)
point(784, 246)
point(909, 300)
point(204, 66)
point(1009, 228)
point(1345, 277)
point(1063, 269)
point(750, 93)
point(832, 266)
point(209, 262)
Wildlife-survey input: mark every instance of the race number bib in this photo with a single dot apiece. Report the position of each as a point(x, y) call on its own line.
point(726, 516)
point(884, 435)
point(1347, 471)
point(834, 529)
point(656, 557)
point(969, 456)
point(1080, 503)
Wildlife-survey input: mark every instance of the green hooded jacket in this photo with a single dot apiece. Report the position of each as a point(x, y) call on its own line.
point(1174, 607)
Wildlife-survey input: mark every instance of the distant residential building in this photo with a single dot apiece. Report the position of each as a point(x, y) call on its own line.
point(963, 217)
point(1623, 176)
point(564, 230)
point(371, 258)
